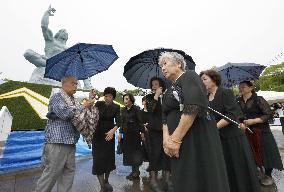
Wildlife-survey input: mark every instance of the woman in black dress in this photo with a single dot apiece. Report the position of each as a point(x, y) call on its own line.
point(132, 132)
point(103, 139)
point(190, 135)
point(145, 120)
point(241, 168)
point(257, 112)
point(158, 160)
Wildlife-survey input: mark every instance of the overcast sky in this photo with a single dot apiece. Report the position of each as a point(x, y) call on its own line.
point(213, 32)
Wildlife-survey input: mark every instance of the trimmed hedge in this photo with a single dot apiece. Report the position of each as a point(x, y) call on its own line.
point(24, 117)
point(44, 90)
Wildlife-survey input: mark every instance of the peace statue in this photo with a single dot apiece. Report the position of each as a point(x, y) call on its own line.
point(53, 45)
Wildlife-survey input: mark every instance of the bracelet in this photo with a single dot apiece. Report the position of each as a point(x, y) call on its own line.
point(175, 141)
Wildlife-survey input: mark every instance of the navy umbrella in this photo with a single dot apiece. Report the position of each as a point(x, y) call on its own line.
point(234, 73)
point(139, 70)
point(81, 61)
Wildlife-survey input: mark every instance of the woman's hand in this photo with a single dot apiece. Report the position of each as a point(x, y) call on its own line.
point(242, 126)
point(142, 137)
point(249, 122)
point(145, 127)
point(110, 134)
point(119, 137)
point(171, 148)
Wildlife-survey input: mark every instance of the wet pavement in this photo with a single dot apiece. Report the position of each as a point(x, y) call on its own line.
point(25, 181)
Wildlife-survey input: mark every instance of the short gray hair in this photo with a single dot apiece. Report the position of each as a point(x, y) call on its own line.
point(67, 78)
point(174, 57)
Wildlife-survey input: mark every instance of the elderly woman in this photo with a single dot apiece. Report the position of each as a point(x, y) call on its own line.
point(257, 112)
point(132, 130)
point(241, 169)
point(103, 139)
point(190, 135)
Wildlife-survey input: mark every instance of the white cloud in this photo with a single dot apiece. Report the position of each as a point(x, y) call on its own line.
point(212, 32)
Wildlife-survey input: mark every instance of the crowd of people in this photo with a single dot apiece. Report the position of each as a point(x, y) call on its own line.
point(195, 148)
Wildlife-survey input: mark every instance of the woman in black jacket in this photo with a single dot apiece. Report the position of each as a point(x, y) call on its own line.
point(257, 113)
point(158, 160)
point(132, 132)
point(103, 140)
point(241, 169)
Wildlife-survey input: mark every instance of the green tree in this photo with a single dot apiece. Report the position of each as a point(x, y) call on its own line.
point(272, 79)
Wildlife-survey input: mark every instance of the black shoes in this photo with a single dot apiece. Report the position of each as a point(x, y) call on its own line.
point(133, 176)
point(108, 187)
point(154, 186)
point(169, 187)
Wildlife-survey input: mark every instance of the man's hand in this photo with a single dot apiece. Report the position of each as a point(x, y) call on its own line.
point(110, 134)
point(51, 11)
point(119, 137)
point(87, 103)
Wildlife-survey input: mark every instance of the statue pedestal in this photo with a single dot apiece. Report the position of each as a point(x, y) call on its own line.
point(37, 78)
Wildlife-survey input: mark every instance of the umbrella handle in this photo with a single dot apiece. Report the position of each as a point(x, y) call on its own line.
point(229, 119)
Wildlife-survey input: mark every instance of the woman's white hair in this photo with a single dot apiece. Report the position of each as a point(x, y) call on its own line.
point(175, 57)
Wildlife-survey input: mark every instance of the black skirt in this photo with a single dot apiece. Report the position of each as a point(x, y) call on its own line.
point(271, 155)
point(241, 168)
point(132, 149)
point(103, 151)
point(158, 160)
point(201, 166)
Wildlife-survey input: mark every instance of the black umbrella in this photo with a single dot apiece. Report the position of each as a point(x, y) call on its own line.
point(139, 70)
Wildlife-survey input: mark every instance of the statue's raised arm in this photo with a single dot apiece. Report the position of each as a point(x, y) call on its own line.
point(47, 33)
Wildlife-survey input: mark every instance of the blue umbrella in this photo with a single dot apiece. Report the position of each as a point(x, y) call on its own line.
point(81, 61)
point(234, 73)
point(139, 70)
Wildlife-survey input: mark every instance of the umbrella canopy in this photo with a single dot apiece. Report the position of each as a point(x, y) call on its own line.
point(234, 73)
point(81, 61)
point(272, 96)
point(139, 70)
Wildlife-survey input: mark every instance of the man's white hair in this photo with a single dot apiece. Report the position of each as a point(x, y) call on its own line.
point(175, 57)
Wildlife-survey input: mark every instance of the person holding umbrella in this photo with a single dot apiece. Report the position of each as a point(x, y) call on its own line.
point(157, 158)
point(103, 140)
point(241, 169)
point(60, 139)
point(190, 135)
point(132, 131)
point(257, 113)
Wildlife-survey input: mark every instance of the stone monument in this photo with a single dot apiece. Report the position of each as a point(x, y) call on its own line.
point(53, 45)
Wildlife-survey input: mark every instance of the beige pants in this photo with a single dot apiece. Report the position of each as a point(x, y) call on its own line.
point(58, 162)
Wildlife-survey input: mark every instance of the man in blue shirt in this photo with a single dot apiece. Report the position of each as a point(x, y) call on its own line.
point(60, 138)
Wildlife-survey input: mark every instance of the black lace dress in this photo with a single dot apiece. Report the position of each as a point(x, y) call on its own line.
point(201, 166)
point(241, 168)
point(257, 107)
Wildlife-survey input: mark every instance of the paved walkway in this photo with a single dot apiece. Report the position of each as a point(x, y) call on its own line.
point(25, 181)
